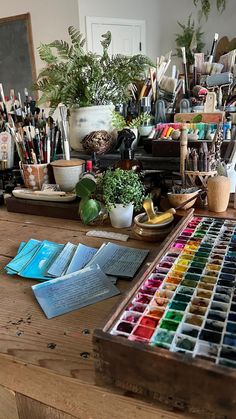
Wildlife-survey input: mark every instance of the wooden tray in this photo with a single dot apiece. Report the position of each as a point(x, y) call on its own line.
point(190, 384)
point(66, 210)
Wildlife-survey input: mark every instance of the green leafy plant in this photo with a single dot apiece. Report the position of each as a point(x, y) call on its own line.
point(89, 208)
point(74, 76)
point(119, 122)
point(186, 37)
point(122, 187)
point(205, 6)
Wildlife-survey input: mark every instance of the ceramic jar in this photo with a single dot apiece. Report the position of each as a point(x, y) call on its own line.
point(67, 173)
point(34, 175)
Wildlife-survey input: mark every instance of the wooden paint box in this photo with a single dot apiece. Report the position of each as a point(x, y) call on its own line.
point(192, 383)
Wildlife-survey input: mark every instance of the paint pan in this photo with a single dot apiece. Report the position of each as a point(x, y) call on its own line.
point(185, 343)
point(162, 338)
point(210, 336)
point(216, 315)
point(194, 320)
point(187, 329)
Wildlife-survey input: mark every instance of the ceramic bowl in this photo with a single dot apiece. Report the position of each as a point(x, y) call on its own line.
point(151, 232)
point(176, 199)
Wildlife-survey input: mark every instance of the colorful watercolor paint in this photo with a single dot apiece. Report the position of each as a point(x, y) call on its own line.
point(187, 303)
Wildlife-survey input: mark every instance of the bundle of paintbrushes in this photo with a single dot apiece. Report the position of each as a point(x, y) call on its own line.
point(35, 146)
point(205, 159)
point(199, 159)
point(167, 87)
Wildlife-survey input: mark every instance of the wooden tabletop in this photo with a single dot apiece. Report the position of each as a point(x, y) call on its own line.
point(46, 366)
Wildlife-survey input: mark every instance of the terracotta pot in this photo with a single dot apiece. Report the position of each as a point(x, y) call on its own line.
point(218, 193)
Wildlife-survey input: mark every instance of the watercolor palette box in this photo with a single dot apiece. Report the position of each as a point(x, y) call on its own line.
point(174, 337)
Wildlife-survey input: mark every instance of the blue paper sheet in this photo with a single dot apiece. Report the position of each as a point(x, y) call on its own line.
point(81, 257)
point(23, 257)
point(43, 258)
point(71, 292)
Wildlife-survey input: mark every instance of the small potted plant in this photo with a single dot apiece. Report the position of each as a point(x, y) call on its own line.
point(185, 39)
point(123, 192)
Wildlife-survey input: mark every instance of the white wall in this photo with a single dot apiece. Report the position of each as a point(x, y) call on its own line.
point(172, 11)
point(161, 19)
point(49, 18)
point(147, 10)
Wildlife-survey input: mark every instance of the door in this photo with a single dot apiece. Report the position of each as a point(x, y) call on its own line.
point(128, 35)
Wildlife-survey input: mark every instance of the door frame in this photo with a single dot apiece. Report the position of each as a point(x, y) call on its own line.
point(90, 20)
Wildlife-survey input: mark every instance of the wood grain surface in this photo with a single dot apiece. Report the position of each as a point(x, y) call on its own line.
point(63, 377)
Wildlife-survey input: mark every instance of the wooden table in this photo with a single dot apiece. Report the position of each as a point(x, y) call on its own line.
point(46, 366)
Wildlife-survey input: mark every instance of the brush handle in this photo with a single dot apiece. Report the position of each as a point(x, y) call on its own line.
point(186, 81)
point(67, 150)
point(188, 200)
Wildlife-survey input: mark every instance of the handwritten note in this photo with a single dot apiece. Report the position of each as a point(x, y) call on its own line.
point(71, 292)
point(119, 260)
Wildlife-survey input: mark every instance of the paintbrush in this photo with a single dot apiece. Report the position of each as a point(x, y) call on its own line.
point(185, 72)
point(193, 49)
point(215, 40)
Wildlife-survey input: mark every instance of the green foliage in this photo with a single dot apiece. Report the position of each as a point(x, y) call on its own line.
point(205, 6)
point(119, 122)
point(89, 208)
point(184, 39)
point(74, 76)
point(139, 120)
point(85, 187)
point(122, 187)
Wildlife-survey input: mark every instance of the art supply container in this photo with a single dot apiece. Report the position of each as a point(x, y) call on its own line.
point(34, 175)
point(218, 193)
point(67, 173)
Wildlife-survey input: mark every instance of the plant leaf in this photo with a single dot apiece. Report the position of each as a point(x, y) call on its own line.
point(89, 210)
point(85, 187)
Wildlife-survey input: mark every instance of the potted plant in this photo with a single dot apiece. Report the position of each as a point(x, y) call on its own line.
point(142, 124)
point(87, 83)
point(123, 192)
point(190, 35)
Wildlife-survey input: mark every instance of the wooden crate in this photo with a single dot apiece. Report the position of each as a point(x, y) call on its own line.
point(191, 384)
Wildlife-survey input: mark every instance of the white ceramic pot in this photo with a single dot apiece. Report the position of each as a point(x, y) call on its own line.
point(145, 130)
point(82, 121)
point(67, 173)
point(121, 216)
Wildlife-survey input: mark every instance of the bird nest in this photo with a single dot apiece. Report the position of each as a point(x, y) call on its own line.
point(99, 142)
